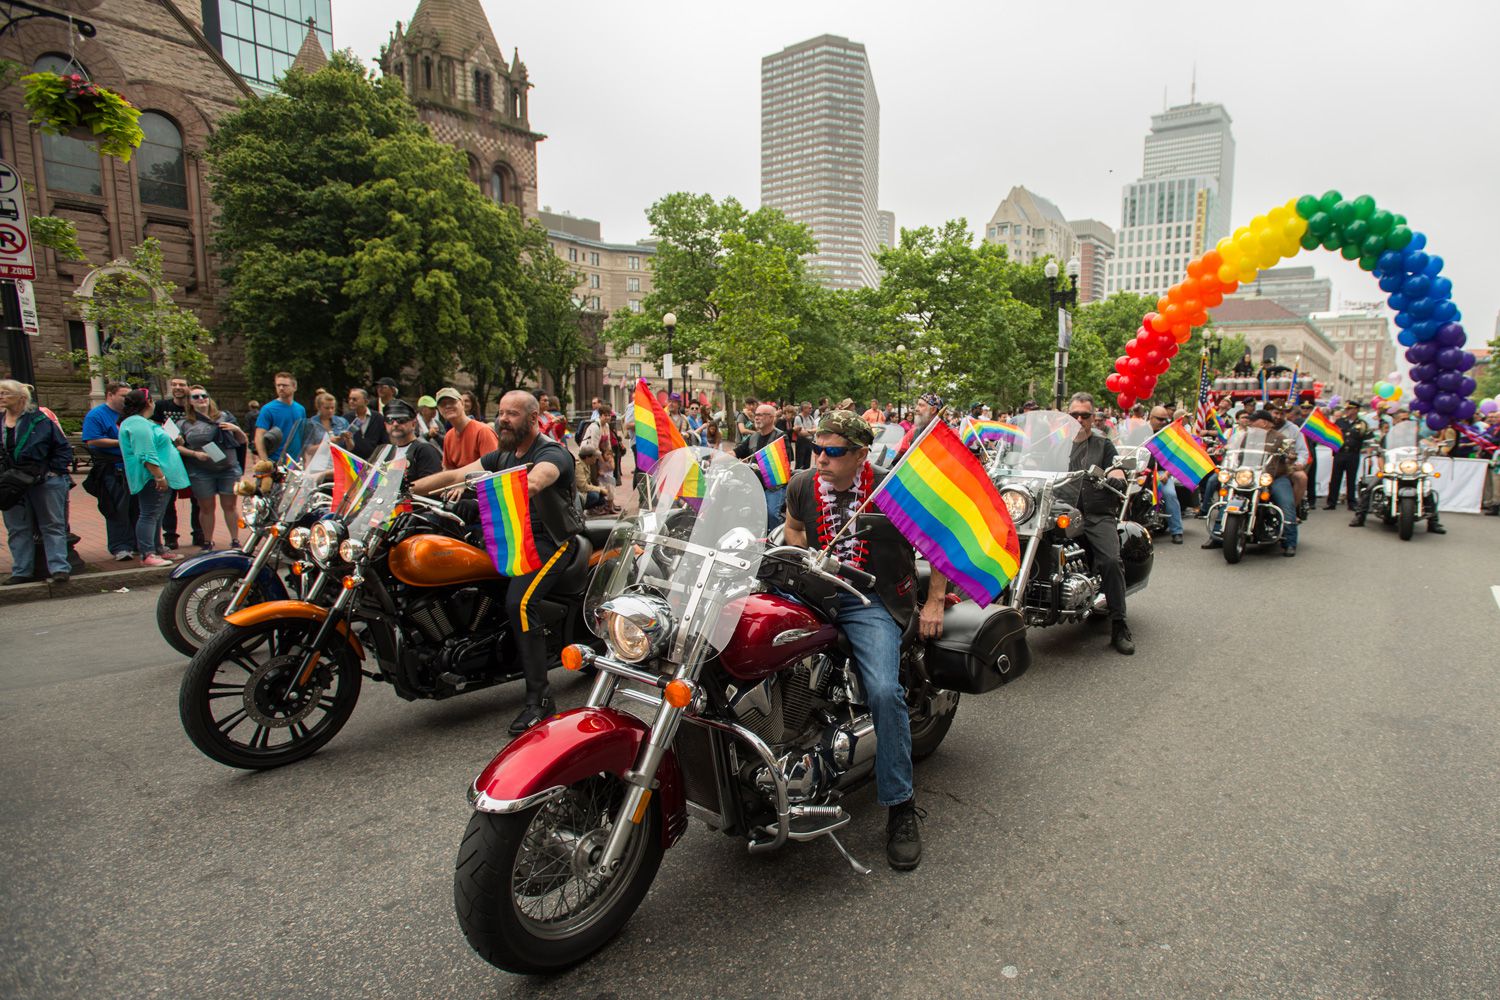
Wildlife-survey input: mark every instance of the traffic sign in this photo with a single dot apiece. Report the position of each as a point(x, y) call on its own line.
point(15, 227)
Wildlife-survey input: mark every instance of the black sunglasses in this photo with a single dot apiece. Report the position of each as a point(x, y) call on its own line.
point(832, 450)
point(199, 395)
point(1081, 416)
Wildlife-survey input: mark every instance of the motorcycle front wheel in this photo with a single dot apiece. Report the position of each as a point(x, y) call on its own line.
point(190, 612)
point(1406, 517)
point(1234, 537)
point(234, 700)
point(524, 890)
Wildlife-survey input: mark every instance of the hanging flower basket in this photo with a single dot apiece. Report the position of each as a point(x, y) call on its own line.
point(63, 105)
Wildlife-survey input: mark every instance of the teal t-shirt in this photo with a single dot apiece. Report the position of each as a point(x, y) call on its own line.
point(141, 441)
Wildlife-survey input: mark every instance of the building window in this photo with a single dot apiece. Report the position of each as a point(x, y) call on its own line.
point(573, 254)
point(635, 372)
point(632, 284)
point(503, 186)
point(634, 350)
point(483, 94)
point(593, 258)
point(77, 337)
point(69, 164)
point(635, 305)
point(593, 281)
point(635, 263)
point(159, 169)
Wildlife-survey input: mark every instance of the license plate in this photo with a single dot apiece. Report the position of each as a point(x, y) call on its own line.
point(1408, 492)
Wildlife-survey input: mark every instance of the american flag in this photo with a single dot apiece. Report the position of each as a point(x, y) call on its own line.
point(1291, 395)
point(1205, 408)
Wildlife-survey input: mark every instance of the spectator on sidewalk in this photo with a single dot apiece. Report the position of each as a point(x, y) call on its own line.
point(549, 424)
point(386, 389)
point(593, 493)
point(366, 426)
point(209, 444)
point(106, 479)
point(278, 427)
point(34, 460)
point(322, 423)
point(430, 426)
point(468, 439)
point(154, 471)
point(471, 405)
point(173, 409)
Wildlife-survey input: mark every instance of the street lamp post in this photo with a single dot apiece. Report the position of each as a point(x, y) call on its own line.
point(900, 380)
point(1063, 300)
point(670, 322)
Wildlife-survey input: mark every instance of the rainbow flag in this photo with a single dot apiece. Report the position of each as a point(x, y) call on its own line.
point(505, 512)
point(348, 469)
point(990, 430)
point(1178, 452)
point(1320, 430)
point(693, 488)
point(939, 497)
point(775, 469)
point(655, 434)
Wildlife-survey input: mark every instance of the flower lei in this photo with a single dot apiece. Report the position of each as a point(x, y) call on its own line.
point(850, 551)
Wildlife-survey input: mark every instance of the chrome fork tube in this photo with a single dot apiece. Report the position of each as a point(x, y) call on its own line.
point(1023, 574)
point(603, 689)
point(267, 542)
point(638, 786)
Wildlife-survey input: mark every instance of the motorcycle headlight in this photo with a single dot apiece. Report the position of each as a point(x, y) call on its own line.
point(297, 538)
point(350, 550)
point(636, 628)
point(1427, 468)
point(250, 511)
point(1408, 467)
point(324, 540)
point(1244, 477)
point(1018, 503)
point(1225, 476)
point(1265, 479)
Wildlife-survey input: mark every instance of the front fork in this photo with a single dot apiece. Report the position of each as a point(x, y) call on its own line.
point(640, 779)
point(325, 630)
point(267, 544)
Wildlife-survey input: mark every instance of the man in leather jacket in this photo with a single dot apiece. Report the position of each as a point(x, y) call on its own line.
point(1101, 515)
point(1280, 469)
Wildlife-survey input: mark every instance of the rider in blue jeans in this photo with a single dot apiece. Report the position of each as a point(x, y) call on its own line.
point(819, 502)
point(1281, 485)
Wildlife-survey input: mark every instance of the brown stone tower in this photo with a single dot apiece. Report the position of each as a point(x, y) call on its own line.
point(456, 74)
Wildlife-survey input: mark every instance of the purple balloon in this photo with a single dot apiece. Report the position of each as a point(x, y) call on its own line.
point(1445, 402)
point(1425, 391)
point(1449, 381)
point(1468, 361)
point(1465, 409)
point(1417, 406)
point(1425, 372)
point(1488, 406)
point(1450, 358)
point(1466, 386)
point(1437, 421)
point(1422, 353)
point(1451, 335)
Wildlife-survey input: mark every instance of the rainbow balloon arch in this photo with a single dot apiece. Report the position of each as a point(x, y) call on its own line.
point(1379, 240)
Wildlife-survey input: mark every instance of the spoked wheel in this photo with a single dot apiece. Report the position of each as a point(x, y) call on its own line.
point(235, 703)
point(525, 891)
point(1234, 538)
point(190, 612)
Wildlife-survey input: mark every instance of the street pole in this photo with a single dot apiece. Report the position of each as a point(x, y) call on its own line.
point(670, 322)
point(1062, 300)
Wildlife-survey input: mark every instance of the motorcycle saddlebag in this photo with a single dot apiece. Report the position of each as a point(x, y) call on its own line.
point(980, 649)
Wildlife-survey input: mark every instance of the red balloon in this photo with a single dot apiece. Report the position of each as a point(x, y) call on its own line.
point(1171, 349)
point(1113, 380)
point(1133, 348)
point(1126, 401)
point(1152, 357)
point(1147, 320)
point(1133, 365)
point(1161, 341)
point(1145, 385)
point(1122, 364)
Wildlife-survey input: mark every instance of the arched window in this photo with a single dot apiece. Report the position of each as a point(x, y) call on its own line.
point(503, 185)
point(159, 168)
point(68, 164)
point(497, 186)
point(473, 168)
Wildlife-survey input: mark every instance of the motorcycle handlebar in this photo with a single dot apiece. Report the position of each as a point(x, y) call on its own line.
point(826, 567)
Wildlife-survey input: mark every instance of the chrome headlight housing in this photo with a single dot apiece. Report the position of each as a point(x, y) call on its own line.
point(297, 538)
point(351, 550)
point(636, 628)
point(1408, 466)
point(250, 510)
point(1265, 479)
point(1244, 477)
point(1019, 503)
point(323, 541)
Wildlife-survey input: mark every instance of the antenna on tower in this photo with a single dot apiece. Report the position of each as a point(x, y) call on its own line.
point(1193, 92)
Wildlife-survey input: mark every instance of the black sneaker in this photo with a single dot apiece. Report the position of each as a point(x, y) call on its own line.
point(1120, 638)
point(13, 580)
point(1289, 551)
point(59, 578)
point(903, 835)
point(531, 715)
point(1434, 528)
point(1176, 539)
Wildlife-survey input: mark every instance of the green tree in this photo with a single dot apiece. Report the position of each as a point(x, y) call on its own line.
point(149, 334)
point(353, 242)
point(556, 338)
point(1488, 385)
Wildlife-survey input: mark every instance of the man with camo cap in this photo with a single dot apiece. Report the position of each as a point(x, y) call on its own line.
point(820, 502)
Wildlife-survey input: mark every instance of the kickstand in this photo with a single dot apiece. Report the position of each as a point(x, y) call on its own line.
point(861, 869)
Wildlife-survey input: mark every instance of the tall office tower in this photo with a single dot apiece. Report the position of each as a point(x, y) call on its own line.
point(820, 152)
point(1096, 248)
point(1180, 205)
point(886, 232)
point(261, 38)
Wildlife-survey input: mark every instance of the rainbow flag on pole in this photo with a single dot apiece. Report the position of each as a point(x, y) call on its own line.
point(990, 430)
point(655, 434)
point(348, 468)
point(775, 468)
point(939, 497)
point(1320, 430)
point(693, 488)
point(505, 512)
point(1181, 454)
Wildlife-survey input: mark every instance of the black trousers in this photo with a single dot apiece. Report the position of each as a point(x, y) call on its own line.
point(1347, 470)
point(169, 522)
point(521, 597)
point(1104, 555)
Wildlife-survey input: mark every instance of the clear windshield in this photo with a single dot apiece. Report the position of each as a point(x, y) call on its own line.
point(1132, 432)
point(698, 549)
point(1401, 440)
point(378, 501)
point(887, 441)
point(1043, 444)
point(297, 490)
point(1247, 449)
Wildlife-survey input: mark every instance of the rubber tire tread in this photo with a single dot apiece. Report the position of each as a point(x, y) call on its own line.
point(1234, 550)
point(1406, 517)
point(192, 701)
point(166, 612)
point(481, 896)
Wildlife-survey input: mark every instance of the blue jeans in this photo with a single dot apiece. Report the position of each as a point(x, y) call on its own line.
point(775, 504)
point(44, 511)
point(1281, 495)
point(876, 639)
point(1167, 490)
point(153, 504)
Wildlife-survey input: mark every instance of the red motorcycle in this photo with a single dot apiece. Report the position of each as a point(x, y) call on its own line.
point(757, 723)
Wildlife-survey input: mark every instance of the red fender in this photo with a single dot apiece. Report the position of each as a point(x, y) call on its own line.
point(572, 746)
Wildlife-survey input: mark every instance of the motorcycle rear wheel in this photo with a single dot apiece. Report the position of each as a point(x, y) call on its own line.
point(239, 677)
point(1234, 538)
point(928, 731)
point(523, 893)
point(190, 612)
point(1406, 517)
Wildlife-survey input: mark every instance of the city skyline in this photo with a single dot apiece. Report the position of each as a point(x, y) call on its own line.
point(670, 112)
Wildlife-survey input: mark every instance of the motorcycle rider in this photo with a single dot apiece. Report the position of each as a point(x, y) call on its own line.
point(1166, 486)
point(822, 500)
point(1303, 458)
point(422, 458)
point(1367, 484)
point(929, 405)
point(1281, 482)
point(555, 519)
point(1100, 509)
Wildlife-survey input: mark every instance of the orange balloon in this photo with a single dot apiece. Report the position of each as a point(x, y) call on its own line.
point(1230, 285)
point(1176, 295)
point(1211, 262)
point(1195, 269)
point(1159, 323)
point(1183, 332)
point(1161, 305)
point(1198, 316)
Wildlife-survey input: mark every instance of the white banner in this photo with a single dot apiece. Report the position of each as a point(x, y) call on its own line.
point(27, 295)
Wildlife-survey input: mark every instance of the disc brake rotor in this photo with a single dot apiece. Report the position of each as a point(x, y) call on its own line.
point(266, 700)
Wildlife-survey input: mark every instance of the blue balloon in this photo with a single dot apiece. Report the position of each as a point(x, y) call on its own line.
point(1388, 261)
point(1392, 281)
point(1442, 288)
point(1397, 301)
point(1417, 286)
point(1406, 339)
point(1416, 261)
point(1418, 241)
point(1443, 310)
point(1420, 308)
point(1404, 319)
point(1434, 265)
point(1424, 331)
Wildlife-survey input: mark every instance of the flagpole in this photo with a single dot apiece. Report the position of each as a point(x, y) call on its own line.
point(931, 426)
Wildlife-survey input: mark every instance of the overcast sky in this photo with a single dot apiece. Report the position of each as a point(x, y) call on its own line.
point(1397, 100)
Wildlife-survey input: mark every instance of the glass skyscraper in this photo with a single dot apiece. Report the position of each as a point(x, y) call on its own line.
point(261, 38)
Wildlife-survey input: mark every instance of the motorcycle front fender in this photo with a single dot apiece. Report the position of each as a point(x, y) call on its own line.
point(208, 562)
point(541, 763)
point(257, 613)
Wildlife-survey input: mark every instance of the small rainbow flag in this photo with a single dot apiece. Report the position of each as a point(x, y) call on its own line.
point(655, 434)
point(990, 430)
point(775, 469)
point(348, 469)
point(1320, 430)
point(939, 497)
point(693, 488)
point(1177, 451)
point(505, 512)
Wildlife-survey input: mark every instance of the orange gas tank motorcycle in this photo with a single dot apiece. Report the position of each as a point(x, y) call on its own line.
point(419, 593)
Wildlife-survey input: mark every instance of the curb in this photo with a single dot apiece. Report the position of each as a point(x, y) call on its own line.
point(86, 584)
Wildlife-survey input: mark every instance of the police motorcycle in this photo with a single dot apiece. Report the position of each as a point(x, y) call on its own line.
point(749, 717)
point(1243, 513)
point(203, 590)
point(1056, 582)
point(1401, 492)
point(1142, 503)
point(427, 606)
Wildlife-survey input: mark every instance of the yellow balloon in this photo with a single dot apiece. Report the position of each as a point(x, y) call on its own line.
point(1277, 216)
point(1397, 394)
point(1228, 273)
point(1241, 233)
point(1231, 253)
point(1270, 256)
point(1293, 228)
point(1225, 242)
point(1247, 274)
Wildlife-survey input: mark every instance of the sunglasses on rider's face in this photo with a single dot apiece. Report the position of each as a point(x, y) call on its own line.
point(832, 450)
point(1081, 416)
point(200, 395)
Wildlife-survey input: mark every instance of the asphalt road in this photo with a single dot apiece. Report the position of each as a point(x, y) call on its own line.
point(1288, 792)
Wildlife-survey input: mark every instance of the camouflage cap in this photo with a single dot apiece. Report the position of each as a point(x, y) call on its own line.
point(848, 425)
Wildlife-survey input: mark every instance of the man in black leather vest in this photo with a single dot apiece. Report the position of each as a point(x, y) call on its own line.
point(1101, 516)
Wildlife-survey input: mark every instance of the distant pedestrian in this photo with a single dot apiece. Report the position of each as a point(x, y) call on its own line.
point(174, 408)
point(471, 405)
point(209, 449)
point(278, 426)
point(366, 426)
point(154, 471)
point(874, 416)
point(324, 423)
point(106, 479)
point(430, 426)
point(764, 434)
point(386, 389)
point(468, 439)
point(34, 460)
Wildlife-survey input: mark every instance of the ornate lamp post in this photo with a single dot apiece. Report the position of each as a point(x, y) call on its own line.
point(900, 380)
point(1064, 300)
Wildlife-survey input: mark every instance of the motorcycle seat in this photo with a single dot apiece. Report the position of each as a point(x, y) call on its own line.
point(575, 575)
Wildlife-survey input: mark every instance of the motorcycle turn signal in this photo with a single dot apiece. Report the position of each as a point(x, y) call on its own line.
point(576, 657)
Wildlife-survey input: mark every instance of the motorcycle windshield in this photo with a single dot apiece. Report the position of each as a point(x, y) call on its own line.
point(296, 495)
point(376, 504)
point(887, 442)
point(1401, 441)
point(1042, 446)
point(698, 549)
point(1247, 449)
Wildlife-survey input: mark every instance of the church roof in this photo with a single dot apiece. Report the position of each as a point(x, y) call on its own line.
point(311, 57)
point(460, 26)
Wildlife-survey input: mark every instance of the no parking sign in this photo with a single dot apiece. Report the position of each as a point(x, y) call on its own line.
point(15, 228)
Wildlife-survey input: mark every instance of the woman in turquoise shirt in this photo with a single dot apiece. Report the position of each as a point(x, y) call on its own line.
point(153, 470)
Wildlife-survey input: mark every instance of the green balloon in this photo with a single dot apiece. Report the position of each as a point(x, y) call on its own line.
point(1307, 205)
point(1382, 221)
point(1364, 207)
point(1343, 213)
point(1399, 237)
point(1373, 246)
point(1330, 198)
point(1356, 232)
point(1310, 241)
point(1320, 223)
point(1349, 250)
point(1331, 241)
point(1400, 219)
point(1367, 263)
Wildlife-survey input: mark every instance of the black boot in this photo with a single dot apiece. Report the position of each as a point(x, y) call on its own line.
point(1119, 637)
point(903, 835)
point(1358, 521)
point(531, 715)
point(1434, 528)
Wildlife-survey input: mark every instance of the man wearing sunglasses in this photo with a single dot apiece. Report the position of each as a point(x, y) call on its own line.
point(765, 432)
point(820, 502)
point(1100, 509)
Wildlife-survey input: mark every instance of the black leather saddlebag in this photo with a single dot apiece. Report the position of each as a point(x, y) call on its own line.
point(980, 649)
